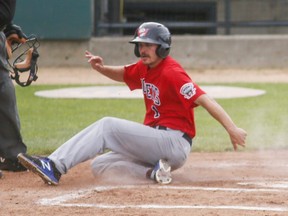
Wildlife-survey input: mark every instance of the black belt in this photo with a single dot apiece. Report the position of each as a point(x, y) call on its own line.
point(185, 135)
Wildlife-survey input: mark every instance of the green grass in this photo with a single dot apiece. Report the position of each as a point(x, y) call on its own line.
point(265, 118)
point(47, 123)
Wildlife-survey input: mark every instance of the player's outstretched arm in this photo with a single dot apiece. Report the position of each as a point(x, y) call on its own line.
point(113, 72)
point(237, 135)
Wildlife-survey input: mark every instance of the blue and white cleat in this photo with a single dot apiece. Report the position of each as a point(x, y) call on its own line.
point(42, 166)
point(162, 172)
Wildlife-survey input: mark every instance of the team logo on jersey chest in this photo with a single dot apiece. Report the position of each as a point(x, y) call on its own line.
point(151, 91)
point(188, 90)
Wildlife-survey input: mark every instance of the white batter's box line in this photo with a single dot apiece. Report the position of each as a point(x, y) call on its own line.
point(247, 190)
point(267, 184)
point(154, 206)
point(63, 199)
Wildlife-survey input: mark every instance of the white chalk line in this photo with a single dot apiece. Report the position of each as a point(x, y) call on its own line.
point(63, 199)
point(107, 206)
point(271, 184)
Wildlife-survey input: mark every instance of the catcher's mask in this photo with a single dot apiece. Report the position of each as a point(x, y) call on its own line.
point(24, 59)
point(155, 33)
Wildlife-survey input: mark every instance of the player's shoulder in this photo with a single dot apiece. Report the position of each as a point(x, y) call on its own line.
point(174, 67)
point(134, 65)
point(171, 62)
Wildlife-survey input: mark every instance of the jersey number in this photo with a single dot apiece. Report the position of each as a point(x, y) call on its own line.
point(156, 112)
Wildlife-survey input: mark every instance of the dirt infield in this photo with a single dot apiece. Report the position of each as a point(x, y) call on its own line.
point(228, 183)
point(242, 183)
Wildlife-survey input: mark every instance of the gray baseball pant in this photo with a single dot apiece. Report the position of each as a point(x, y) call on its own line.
point(133, 146)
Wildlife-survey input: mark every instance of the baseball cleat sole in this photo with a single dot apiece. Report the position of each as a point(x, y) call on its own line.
point(163, 174)
point(30, 166)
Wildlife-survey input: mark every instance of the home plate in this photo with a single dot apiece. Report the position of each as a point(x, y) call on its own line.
point(124, 92)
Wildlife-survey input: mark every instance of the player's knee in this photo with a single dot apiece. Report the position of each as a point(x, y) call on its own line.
point(107, 122)
point(176, 163)
point(111, 124)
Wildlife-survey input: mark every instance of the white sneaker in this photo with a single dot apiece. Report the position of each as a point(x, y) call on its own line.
point(161, 172)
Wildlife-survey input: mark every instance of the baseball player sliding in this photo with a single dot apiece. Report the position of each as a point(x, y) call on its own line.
point(152, 149)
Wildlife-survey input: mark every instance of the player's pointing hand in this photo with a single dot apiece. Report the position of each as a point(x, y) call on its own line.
point(96, 62)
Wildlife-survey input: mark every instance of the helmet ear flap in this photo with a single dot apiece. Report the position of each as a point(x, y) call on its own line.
point(136, 50)
point(162, 51)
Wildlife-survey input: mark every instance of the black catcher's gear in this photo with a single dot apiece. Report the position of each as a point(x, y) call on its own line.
point(14, 29)
point(155, 33)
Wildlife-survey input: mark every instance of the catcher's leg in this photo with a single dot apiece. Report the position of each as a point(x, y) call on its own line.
point(11, 143)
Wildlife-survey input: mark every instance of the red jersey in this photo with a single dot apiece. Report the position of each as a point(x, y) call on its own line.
point(169, 94)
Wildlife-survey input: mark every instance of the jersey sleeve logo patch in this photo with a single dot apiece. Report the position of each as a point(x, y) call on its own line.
point(188, 90)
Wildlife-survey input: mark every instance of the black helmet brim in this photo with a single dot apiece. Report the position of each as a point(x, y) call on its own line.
point(144, 40)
